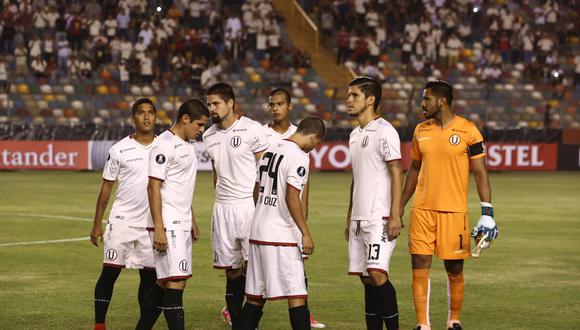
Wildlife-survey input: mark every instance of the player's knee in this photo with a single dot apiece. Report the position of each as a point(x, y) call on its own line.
point(234, 274)
point(366, 280)
point(378, 278)
point(454, 266)
point(420, 261)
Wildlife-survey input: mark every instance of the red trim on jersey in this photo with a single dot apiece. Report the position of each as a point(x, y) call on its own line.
point(148, 268)
point(386, 218)
point(172, 278)
point(156, 178)
point(109, 180)
point(377, 270)
point(261, 297)
point(170, 131)
point(153, 229)
point(355, 273)
point(113, 265)
point(392, 160)
point(253, 241)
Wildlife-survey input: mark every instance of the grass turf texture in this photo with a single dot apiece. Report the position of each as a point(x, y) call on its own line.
point(529, 279)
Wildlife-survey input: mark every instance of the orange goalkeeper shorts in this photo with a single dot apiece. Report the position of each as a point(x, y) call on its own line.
point(444, 234)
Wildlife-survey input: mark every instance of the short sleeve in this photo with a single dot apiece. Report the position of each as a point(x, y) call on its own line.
point(390, 144)
point(474, 135)
point(259, 140)
point(475, 147)
point(415, 151)
point(159, 158)
point(112, 166)
point(298, 170)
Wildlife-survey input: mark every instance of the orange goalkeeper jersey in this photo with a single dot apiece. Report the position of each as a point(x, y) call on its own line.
point(445, 156)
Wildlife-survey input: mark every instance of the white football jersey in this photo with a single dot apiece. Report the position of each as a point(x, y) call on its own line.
point(174, 161)
point(232, 152)
point(128, 162)
point(283, 164)
point(272, 136)
point(371, 147)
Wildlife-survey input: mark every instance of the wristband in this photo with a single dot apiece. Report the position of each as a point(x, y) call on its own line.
point(486, 209)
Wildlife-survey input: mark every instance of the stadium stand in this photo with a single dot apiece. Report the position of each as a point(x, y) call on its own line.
point(70, 66)
point(512, 63)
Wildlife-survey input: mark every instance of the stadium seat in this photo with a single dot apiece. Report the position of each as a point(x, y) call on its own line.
point(45, 89)
point(77, 105)
point(102, 90)
point(136, 90)
point(23, 89)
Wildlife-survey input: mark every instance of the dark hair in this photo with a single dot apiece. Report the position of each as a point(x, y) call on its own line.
point(312, 125)
point(441, 88)
point(280, 90)
point(140, 101)
point(370, 87)
point(194, 108)
point(223, 90)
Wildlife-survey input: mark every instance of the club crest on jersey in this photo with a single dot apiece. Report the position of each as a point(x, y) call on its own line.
point(160, 159)
point(236, 141)
point(183, 266)
point(454, 139)
point(111, 254)
point(365, 141)
point(301, 171)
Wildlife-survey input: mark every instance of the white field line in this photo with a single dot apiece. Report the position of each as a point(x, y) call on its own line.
point(48, 216)
point(45, 242)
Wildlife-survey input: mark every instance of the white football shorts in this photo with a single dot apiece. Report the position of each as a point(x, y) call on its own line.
point(127, 246)
point(369, 247)
point(175, 262)
point(275, 272)
point(230, 232)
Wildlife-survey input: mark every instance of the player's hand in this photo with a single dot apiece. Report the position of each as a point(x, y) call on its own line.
point(394, 226)
point(307, 245)
point(96, 235)
point(487, 226)
point(159, 240)
point(194, 232)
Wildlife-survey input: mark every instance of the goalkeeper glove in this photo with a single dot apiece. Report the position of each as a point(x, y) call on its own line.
point(486, 224)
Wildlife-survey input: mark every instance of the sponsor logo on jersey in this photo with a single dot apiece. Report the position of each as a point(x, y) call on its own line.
point(236, 141)
point(183, 266)
point(120, 217)
point(111, 254)
point(458, 130)
point(160, 159)
point(365, 141)
point(240, 130)
point(177, 145)
point(301, 171)
point(127, 149)
point(134, 160)
point(454, 139)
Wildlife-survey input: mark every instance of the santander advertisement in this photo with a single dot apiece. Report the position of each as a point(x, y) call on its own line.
point(91, 155)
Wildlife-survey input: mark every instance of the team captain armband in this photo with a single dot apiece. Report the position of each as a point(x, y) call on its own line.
point(476, 149)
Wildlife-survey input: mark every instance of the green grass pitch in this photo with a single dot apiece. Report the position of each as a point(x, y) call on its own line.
point(528, 280)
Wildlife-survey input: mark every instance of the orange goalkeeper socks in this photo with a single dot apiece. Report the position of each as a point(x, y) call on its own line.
point(455, 288)
point(421, 291)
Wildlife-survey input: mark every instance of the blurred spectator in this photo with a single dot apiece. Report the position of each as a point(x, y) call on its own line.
point(576, 70)
point(4, 88)
point(38, 67)
point(20, 54)
point(454, 46)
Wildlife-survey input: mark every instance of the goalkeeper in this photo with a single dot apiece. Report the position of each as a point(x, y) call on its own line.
point(444, 147)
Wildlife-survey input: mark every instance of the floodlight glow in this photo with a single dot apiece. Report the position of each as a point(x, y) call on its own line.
point(475, 10)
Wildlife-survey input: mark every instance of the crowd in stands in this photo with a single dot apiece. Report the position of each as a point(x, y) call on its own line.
point(142, 42)
point(430, 34)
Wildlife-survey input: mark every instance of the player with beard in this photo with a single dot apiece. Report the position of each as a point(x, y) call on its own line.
point(445, 146)
point(234, 144)
point(373, 222)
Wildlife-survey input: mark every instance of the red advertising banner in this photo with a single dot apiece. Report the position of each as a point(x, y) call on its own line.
point(522, 156)
point(500, 156)
point(336, 157)
point(44, 155)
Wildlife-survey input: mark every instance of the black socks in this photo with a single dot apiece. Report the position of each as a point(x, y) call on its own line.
point(104, 292)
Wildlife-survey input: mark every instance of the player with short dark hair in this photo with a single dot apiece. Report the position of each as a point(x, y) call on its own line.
point(275, 264)
point(126, 241)
point(373, 222)
point(445, 146)
point(173, 229)
point(234, 144)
